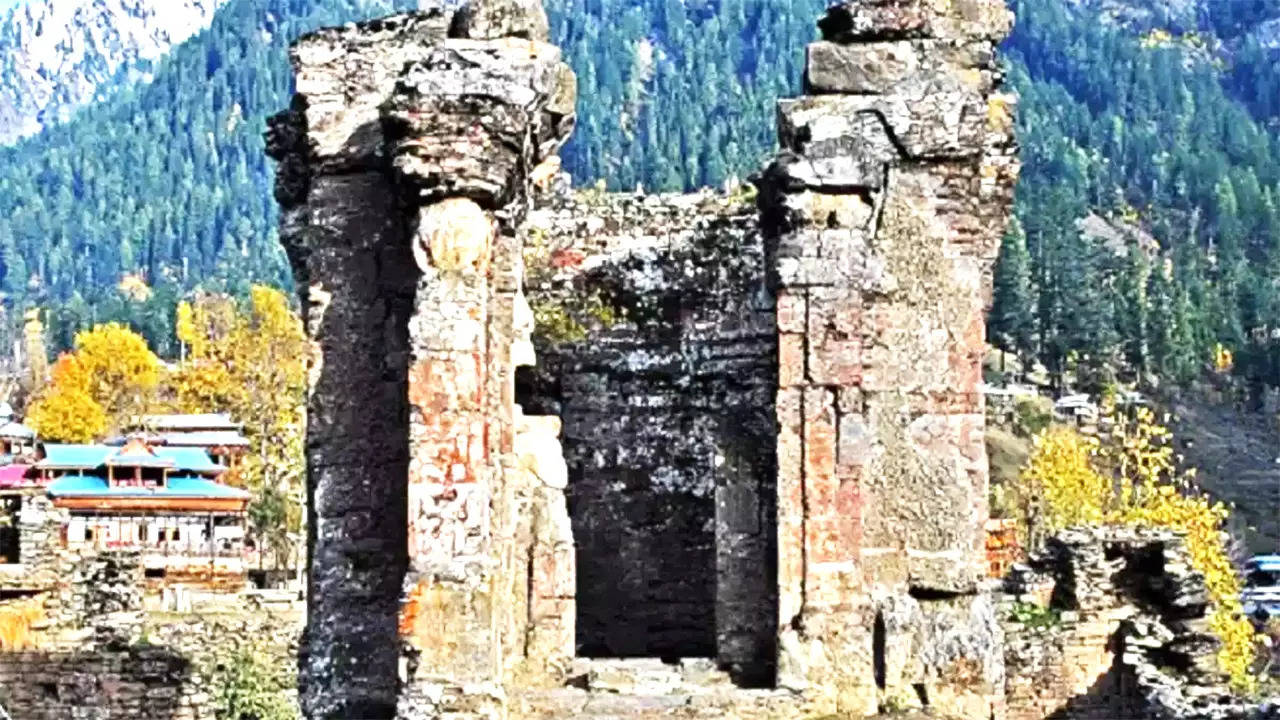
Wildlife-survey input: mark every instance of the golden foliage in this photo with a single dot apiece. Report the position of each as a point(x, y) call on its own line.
point(37, 354)
point(1223, 359)
point(16, 619)
point(1070, 490)
point(109, 379)
point(1130, 476)
point(134, 287)
point(251, 362)
point(64, 410)
point(124, 374)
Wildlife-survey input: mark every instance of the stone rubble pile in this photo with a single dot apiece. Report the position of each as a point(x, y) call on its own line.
point(1129, 632)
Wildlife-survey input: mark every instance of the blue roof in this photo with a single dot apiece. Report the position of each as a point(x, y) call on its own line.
point(181, 486)
point(81, 456)
point(88, 457)
point(1264, 562)
point(192, 459)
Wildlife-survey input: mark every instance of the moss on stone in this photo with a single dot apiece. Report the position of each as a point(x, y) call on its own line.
point(559, 317)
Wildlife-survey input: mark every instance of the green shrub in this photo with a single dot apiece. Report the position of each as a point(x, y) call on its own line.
point(246, 687)
point(1032, 414)
point(1034, 616)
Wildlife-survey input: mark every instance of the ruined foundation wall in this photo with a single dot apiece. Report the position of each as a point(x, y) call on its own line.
point(884, 214)
point(656, 349)
point(1124, 633)
point(95, 653)
point(43, 557)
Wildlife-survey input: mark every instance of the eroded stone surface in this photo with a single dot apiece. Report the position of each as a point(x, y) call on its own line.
point(885, 213)
point(404, 176)
point(665, 395)
point(1128, 634)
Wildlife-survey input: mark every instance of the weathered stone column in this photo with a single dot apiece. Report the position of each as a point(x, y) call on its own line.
point(404, 171)
point(884, 213)
point(470, 122)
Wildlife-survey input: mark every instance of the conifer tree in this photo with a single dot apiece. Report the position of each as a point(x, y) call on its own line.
point(1011, 322)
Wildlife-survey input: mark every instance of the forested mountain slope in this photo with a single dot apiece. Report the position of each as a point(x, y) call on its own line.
point(1159, 117)
point(1149, 129)
point(169, 179)
point(165, 179)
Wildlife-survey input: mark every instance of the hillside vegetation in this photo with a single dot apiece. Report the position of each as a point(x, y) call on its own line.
point(1145, 129)
point(1161, 124)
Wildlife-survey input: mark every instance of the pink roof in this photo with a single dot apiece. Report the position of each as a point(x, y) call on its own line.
point(15, 476)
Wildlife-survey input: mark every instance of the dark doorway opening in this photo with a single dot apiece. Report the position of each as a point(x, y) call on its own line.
point(10, 538)
point(669, 434)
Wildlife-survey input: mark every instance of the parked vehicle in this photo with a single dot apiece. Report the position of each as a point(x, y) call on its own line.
point(1261, 596)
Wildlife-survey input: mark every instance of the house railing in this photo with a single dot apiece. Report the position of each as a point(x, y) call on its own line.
point(184, 550)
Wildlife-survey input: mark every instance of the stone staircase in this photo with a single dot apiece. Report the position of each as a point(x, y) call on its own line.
point(648, 688)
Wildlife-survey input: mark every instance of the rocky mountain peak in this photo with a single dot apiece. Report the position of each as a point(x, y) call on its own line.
point(58, 52)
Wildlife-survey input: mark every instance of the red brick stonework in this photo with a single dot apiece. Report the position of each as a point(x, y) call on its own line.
point(886, 210)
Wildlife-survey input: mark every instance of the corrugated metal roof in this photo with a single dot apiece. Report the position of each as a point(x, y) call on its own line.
point(181, 486)
point(205, 438)
point(12, 476)
point(17, 430)
point(192, 421)
point(74, 456)
point(193, 459)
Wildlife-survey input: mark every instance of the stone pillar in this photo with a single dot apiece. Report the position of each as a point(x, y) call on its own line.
point(883, 215)
point(405, 164)
point(470, 122)
point(41, 546)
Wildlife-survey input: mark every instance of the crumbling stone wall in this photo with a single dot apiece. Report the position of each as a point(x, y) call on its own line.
point(109, 660)
point(883, 215)
point(405, 166)
point(1127, 635)
point(149, 683)
point(657, 350)
point(42, 557)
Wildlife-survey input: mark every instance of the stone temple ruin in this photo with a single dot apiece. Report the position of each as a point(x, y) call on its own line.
point(591, 455)
point(773, 451)
point(551, 431)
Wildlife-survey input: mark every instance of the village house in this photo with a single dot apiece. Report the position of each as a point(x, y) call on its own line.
point(215, 433)
point(164, 501)
point(16, 439)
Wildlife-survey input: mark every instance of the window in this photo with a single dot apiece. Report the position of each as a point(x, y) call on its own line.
point(1263, 578)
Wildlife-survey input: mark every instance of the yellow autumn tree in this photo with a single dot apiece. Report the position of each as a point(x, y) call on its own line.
point(1130, 476)
point(64, 409)
point(1059, 486)
point(250, 361)
point(124, 375)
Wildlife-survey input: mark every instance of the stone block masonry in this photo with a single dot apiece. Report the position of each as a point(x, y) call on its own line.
point(657, 350)
point(96, 655)
point(1125, 636)
point(773, 429)
point(404, 170)
point(883, 215)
